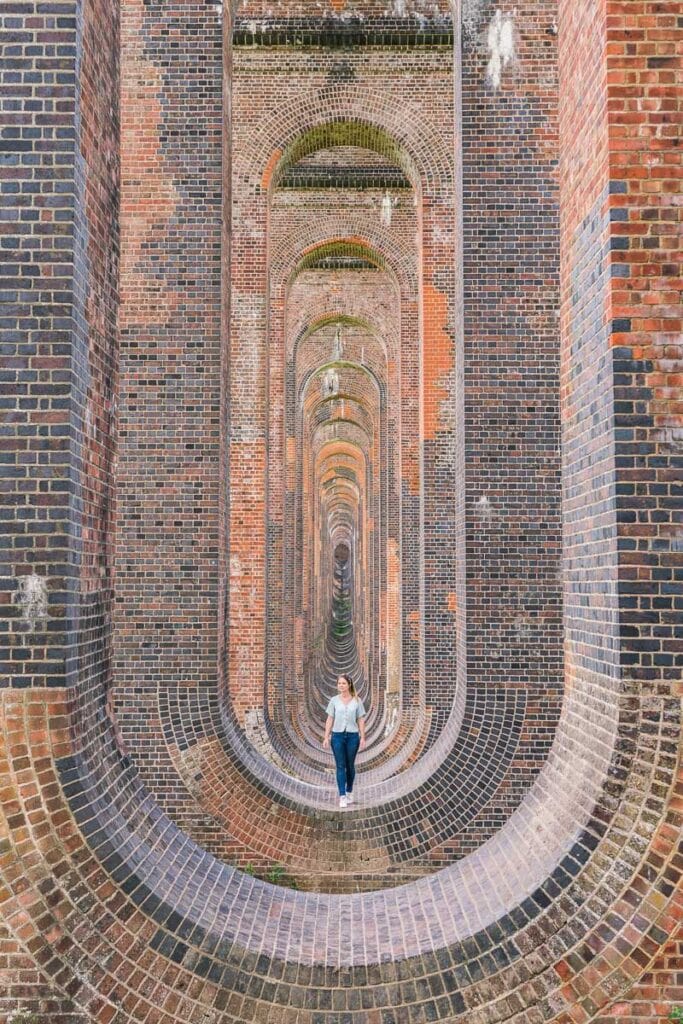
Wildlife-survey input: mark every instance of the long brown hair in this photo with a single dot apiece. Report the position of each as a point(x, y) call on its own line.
point(352, 688)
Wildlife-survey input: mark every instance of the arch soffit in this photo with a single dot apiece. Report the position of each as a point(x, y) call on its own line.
point(354, 368)
point(353, 412)
point(350, 117)
point(377, 244)
point(343, 448)
point(328, 319)
point(328, 431)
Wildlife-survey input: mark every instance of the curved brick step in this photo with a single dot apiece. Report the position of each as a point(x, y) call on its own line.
point(135, 938)
point(252, 810)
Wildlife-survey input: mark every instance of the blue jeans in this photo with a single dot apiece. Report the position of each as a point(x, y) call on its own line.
point(345, 747)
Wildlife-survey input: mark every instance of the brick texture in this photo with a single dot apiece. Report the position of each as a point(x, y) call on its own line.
point(340, 338)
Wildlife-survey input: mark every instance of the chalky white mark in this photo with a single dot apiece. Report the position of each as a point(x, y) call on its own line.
point(501, 45)
point(673, 438)
point(32, 599)
point(330, 383)
point(387, 209)
point(22, 1017)
point(392, 719)
point(471, 17)
point(338, 345)
point(485, 509)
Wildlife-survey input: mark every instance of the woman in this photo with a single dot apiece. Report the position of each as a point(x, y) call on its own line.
point(346, 725)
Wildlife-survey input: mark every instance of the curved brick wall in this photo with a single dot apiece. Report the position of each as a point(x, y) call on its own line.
point(514, 852)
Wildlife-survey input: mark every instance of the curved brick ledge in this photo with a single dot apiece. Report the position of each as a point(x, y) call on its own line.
point(554, 938)
point(293, 822)
point(114, 808)
point(386, 757)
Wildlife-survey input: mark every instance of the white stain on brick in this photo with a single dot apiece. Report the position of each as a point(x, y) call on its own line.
point(485, 509)
point(330, 383)
point(391, 721)
point(22, 1017)
point(501, 46)
point(387, 209)
point(32, 600)
point(471, 17)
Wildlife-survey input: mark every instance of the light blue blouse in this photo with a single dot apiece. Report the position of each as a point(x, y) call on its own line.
point(345, 715)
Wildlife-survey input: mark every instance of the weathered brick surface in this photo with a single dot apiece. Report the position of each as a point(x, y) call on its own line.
point(512, 401)
point(124, 935)
point(412, 501)
point(123, 809)
point(59, 252)
point(657, 995)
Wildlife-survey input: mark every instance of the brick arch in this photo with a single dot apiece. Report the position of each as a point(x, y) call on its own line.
point(382, 452)
point(341, 132)
point(349, 408)
point(290, 256)
point(317, 318)
point(314, 372)
point(314, 121)
point(294, 253)
point(376, 140)
point(121, 950)
point(383, 249)
point(340, 247)
point(570, 875)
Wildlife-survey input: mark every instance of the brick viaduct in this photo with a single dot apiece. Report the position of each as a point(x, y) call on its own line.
point(340, 336)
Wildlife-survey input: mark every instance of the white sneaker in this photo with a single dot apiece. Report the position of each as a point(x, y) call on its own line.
point(349, 798)
point(343, 801)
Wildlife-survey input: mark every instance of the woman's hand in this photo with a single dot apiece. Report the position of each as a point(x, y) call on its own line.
point(326, 742)
point(361, 745)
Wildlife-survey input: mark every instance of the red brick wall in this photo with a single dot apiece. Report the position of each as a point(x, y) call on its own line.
point(621, 330)
point(168, 466)
point(656, 996)
point(645, 231)
point(59, 181)
point(571, 910)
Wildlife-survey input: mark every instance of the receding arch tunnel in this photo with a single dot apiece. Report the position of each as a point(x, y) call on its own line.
point(342, 368)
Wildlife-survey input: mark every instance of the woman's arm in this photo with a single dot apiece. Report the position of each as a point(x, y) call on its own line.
point(328, 730)
point(361, 730)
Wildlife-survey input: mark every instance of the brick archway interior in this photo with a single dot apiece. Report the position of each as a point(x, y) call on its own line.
point(345, 357)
